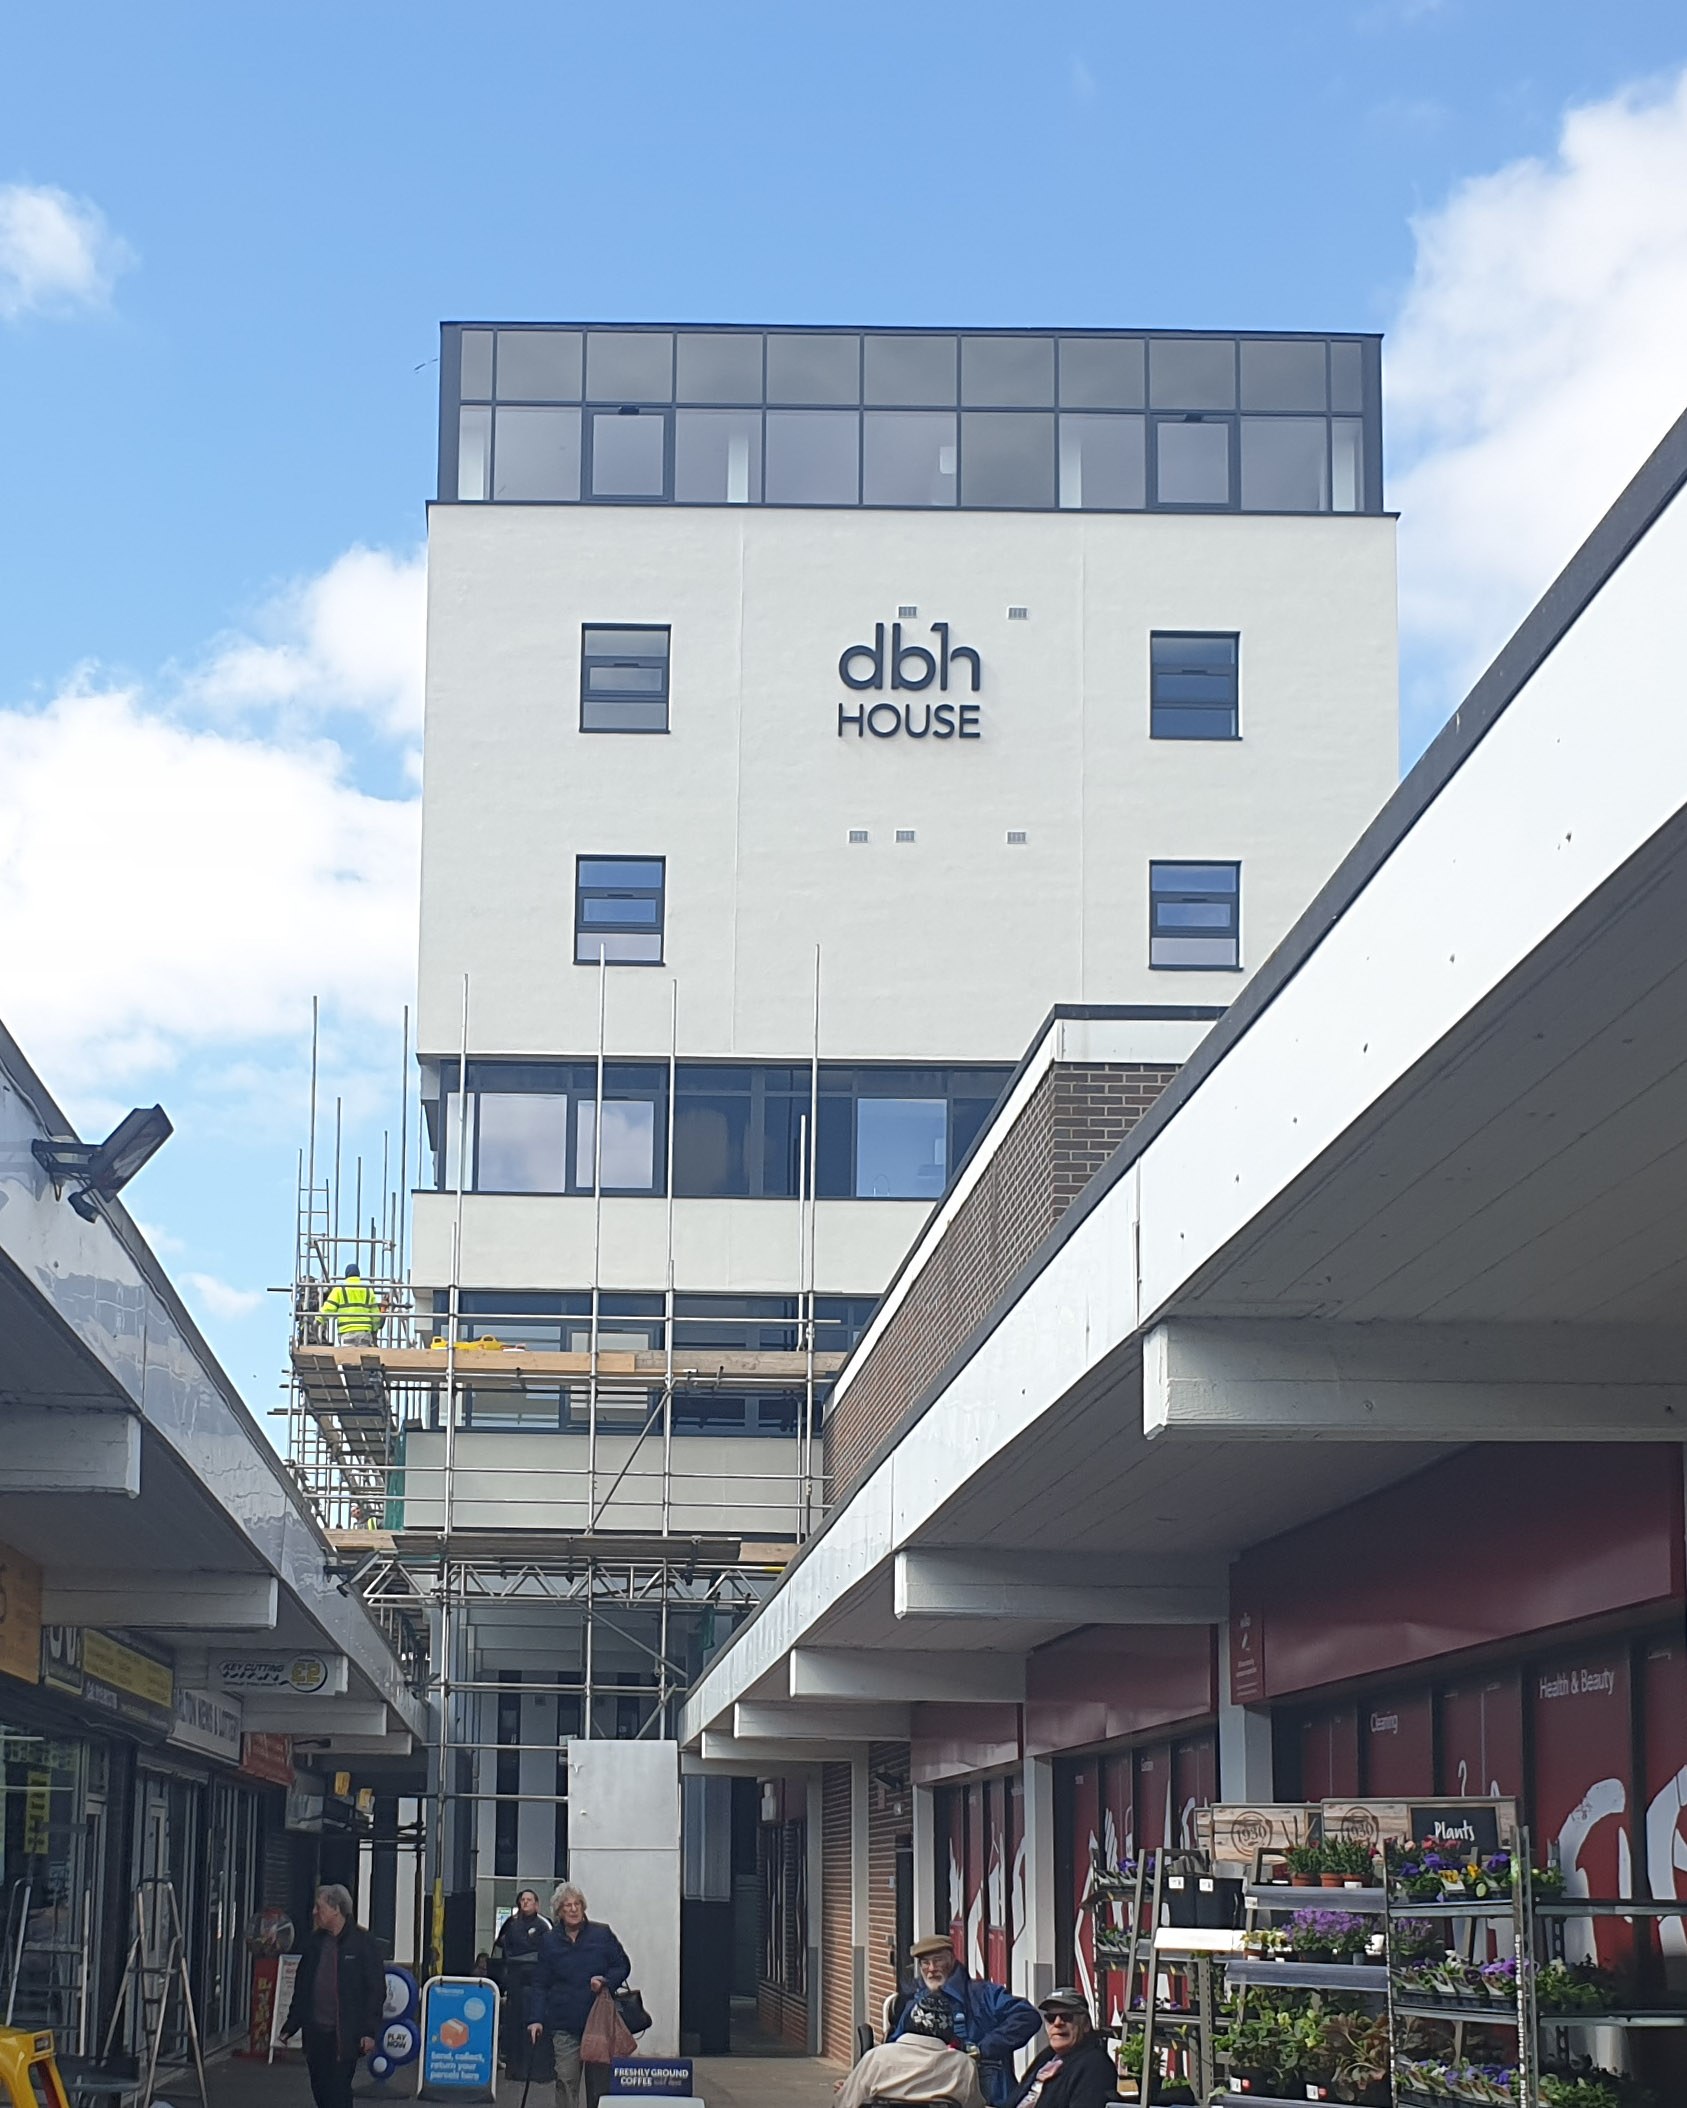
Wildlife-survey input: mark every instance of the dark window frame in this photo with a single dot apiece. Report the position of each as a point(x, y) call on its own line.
point(774, 1097)
point(1229, 712)
point(590, 660)
point(1351, 394)
point(658, 893)
point(590, 412)
point(1160, 892)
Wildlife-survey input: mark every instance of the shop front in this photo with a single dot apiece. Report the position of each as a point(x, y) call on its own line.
point(124, 1813)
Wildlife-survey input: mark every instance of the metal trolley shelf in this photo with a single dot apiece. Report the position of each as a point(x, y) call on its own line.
point(1360, 1978)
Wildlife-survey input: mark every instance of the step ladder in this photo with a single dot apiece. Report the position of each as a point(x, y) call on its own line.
point(154, 1974)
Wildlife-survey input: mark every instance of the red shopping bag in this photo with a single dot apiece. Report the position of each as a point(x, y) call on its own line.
point(606, 2036)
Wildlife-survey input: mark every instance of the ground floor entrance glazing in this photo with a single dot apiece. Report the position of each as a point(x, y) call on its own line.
point(87, 1825)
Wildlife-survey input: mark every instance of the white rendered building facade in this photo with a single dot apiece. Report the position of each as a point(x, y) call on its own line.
point(809, 711)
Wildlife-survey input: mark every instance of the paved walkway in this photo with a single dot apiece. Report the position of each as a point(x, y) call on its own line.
point(723, 2082)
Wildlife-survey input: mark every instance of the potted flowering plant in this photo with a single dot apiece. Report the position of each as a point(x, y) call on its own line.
point(1326, 1935)
point(1410, 1876)
point(1348, 1862)
point(1257, 2049)
point(1417, 1940)
point(1593, 2089)
point(1575, 1987)
point(1498, 1980)
point(1305, 1863)
point(1358, 2044)
point(1119, 1880)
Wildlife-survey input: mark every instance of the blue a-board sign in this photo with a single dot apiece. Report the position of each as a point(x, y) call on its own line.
point(459, 2039)
point(651, 2078)
point(401, 2035)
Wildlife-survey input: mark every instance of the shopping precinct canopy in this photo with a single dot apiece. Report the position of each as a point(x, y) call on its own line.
point(1420, 1188)
point(136, 1479)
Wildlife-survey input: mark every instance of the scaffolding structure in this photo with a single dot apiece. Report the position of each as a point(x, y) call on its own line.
point(610, 1542)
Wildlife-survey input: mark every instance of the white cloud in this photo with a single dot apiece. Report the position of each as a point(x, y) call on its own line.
point(184, 865)
point(1536, 361)
point(220, 1299)
point(164, 1242)
point(56, 252)
point(164, 887)
point(350, 639)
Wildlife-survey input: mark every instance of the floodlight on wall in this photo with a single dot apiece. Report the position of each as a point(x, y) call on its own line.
point(100, 1170)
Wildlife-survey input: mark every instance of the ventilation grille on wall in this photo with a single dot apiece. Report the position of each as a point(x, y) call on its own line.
point(904, 612)
point(1019, 614)
point(1016, 835)
point(858, 834)
point(904, 834)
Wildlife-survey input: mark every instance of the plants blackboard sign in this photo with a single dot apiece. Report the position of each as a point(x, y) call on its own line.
point(1468, 1832)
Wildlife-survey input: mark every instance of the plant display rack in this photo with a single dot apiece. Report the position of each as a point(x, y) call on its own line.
point(1149, 1954)
point(1265, 1900)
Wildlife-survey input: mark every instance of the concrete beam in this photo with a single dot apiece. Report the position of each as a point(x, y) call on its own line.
point(327, 1718)
point(767, 1758)
point(793, 1722)
point(906, 1675)
point(190, 1602)
point(1303, 1380)
point(1060, 1588)
point(68, 1449)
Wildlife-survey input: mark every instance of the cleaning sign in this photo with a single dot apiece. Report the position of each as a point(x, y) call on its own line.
point(459, 2039)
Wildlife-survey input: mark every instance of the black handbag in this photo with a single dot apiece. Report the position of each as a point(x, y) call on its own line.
point(631, 2008)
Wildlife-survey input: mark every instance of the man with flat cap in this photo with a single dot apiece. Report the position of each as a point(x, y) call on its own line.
point(988, 2021)
point(1077, 2069)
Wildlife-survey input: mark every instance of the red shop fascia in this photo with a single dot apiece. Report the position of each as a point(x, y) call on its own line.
point(1129, 1715)
point(1507, 1622)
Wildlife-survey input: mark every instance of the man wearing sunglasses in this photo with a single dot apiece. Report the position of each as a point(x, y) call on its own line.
point(1076, 2070)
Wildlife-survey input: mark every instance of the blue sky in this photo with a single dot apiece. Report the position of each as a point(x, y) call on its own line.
point(233, 231)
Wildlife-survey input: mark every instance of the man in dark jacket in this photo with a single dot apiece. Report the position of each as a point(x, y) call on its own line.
point(515, 1957)
point(577, 1960)
point(989, 2021)
point(1077, 2069)
point(339, 1998)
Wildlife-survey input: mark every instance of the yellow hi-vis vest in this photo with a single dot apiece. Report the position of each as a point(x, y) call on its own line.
point(355, 1309)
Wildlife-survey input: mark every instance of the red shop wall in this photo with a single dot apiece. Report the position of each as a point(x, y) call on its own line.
point(1397, 1744)
point(981, 1827)
point(1581, 1714)
point(1114, 1806)
point(1114, 1681)
point(1412, 1589)
point(1482, 1735)
point(1663, 1676)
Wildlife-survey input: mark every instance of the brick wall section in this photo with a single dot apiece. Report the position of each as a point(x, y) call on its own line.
point(837, 1914)
point(1074, 1121)
point(890, 1816)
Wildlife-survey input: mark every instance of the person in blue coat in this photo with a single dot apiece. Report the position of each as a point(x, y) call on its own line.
point(989, 2022)
point(577, 1959)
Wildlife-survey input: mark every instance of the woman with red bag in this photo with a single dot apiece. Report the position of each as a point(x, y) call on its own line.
point(578, 1960)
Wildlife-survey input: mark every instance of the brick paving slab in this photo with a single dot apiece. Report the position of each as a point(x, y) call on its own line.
point(723, 2082)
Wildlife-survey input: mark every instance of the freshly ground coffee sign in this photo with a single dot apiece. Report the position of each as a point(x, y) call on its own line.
point(891, 663)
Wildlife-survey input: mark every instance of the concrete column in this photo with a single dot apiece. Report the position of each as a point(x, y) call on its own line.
point(926, 1909)
point(1245, 1768)
point(1034, 1978)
